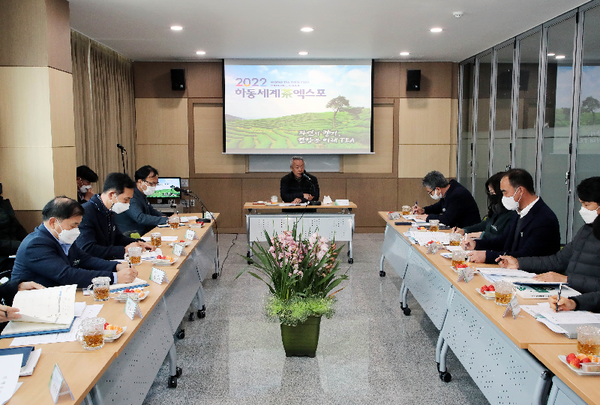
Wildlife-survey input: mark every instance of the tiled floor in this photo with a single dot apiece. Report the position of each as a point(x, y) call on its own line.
point(369, 352)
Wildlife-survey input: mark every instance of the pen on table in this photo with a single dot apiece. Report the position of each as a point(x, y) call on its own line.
point(558, 299)
point(416, 205)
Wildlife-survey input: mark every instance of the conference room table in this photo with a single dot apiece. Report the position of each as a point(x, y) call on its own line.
point(123, 371)
point(331, 221)
point(509, 359)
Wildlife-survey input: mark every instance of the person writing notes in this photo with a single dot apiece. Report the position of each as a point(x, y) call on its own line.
point(578, 263)
point(49, 257)
point(100, 236)
point(535, 231)
point(455, 205)
point(141, 216)
point(498, 217)
point(298, 186)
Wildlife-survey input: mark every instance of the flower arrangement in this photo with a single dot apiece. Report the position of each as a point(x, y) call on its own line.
point(300, 273)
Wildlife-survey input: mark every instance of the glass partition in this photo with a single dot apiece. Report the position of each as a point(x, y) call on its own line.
point(556, 133)
point(588, 142)
point(465, 168)
point(526, 144)
point(502, 150)
point(482, 137)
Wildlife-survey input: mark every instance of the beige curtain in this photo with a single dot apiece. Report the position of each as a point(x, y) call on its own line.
point(104, 107)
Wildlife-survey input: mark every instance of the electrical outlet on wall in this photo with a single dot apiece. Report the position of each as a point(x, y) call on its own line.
point(185, 183)
point(192, 203)
point(184, 203)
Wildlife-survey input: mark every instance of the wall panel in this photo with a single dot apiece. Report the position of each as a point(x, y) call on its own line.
point(169, 160)
point(371, 196)
point(425, 121)
point(223, 196)
point(161, 121)
point(415, 161)
point(61, 108)
point(64, 171)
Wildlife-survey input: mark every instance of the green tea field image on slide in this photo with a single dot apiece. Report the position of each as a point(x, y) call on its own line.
point(285, 132)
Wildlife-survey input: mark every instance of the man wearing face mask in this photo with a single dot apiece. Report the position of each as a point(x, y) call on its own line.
point(141, 216)
point(48, 256)
point(578, 263)
point(455, 205)
point(535, 231)
point(85, 178)
point(100, 236)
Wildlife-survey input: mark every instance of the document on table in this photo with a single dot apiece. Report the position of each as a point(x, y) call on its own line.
point(10, 367)
point(498, 271)
point(422, 238)
point(54, 305)
point(137, 283)
point(90, 311)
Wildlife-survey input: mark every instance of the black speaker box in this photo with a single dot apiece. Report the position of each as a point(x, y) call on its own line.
point(177, 79)
point(413, 80)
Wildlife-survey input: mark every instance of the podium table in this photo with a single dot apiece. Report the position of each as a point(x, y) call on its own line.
point(331, 221)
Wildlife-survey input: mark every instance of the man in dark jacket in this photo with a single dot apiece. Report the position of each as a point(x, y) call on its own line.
point(11, 233)
point(456, 205)
point(534, 232)
point(141, 216)
point(49, 257)
point(298, 186)
point(100, 236)
point(578, 263)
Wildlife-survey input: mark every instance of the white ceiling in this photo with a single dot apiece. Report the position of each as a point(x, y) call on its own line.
point(376, 29)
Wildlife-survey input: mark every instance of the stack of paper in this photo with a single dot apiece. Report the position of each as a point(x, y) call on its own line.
point(47, 310)
point(10, 367)
point(137, 283)
point(544, 314)
point(423, 238)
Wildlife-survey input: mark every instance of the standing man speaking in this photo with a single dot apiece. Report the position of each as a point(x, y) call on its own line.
point(298, 186)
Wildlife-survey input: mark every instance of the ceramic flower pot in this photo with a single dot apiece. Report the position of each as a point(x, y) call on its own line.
point(302, 339)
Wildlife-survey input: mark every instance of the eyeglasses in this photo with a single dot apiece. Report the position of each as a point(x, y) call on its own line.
point(431, 192)
point(151, 184)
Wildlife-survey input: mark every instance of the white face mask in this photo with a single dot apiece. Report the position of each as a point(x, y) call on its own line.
point(510, 203)
point(84, 189)
point(435, 195)
point(119, 207)
point(588, 215)
point(68, 236)
point(149, 190)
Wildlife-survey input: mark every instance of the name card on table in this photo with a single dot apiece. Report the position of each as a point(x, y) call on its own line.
point(178, 249)
point(132, 309)
point(191, 235)
point(513, 307)
point(465, 274)
point(158, 276)
point(58, 385)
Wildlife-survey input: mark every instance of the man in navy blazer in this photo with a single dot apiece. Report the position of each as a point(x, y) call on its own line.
point(534, 232)
point(49, 257)
point(455, 205)
point(100, 236)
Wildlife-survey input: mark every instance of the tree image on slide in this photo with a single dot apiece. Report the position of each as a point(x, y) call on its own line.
point(590, 104)
point(338, 104)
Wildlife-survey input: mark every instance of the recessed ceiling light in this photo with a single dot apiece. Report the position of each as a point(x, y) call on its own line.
point(551, 54)
point(404, 53)
point(436, 29)
point(560, 56)
point(176, 27)
point(200, 53)
point(307, 29)
point(303, 53)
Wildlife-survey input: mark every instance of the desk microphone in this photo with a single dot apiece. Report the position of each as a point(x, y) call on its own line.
point(121, 147)
point(306, 176)
point(181, 190)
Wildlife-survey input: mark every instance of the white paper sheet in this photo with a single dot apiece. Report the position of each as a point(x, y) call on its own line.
point(49, 305)
point(423, 238)
point(10, 367)
point(498, 271)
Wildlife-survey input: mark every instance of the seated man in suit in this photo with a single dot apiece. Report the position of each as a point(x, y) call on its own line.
point(298, 186)
point(11, 233)
point(85, 178)
point(49, 257)
point(141, 216)
point(456, 206)
point(100, 236)
point(534, 232)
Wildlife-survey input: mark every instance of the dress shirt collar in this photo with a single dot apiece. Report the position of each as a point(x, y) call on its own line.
point(65, 246)
point(526, 210)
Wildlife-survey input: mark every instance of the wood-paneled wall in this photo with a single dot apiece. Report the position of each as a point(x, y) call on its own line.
point(414, 132)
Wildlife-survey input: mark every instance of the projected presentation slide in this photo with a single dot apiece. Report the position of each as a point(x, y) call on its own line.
point(298, 109)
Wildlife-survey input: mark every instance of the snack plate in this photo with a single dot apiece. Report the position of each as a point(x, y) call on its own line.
point(119, 297)
point(579, 371)
point(162, 262)
point(112, 339)
point(186, 243)
point(489, 295)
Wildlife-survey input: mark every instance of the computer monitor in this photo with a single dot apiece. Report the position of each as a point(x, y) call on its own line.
point(164, 189)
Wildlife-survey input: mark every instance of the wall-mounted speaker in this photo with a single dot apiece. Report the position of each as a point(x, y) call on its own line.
point(413, 80)
point(177, 79)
